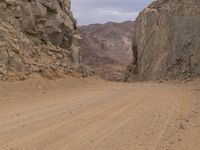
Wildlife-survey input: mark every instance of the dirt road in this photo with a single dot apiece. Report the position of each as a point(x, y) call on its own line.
point(89, 114)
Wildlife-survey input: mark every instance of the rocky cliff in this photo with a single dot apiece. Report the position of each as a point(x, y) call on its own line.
point(167, 41)
point(37, 36)
point(107, 48)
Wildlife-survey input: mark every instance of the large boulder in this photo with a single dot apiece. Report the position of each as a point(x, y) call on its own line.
point(167, 41)
point(37, 36)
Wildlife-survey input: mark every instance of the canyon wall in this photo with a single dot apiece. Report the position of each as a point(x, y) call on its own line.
point(37, 36)
point(167, 41)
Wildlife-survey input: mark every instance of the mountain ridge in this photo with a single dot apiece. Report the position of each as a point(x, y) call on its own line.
point(107, 48)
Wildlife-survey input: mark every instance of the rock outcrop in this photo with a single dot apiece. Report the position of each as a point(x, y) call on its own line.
point(37, 36)
point(167, 41)
point(107, 48)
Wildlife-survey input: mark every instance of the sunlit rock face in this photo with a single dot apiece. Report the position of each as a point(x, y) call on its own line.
point(167, 41)
point(37, 36)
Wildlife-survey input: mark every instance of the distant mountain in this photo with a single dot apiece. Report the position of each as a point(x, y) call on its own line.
point(107, 48)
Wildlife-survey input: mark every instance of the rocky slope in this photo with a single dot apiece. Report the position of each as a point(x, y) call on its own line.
point(107, 48)
point(167, 41)
point(37, 36)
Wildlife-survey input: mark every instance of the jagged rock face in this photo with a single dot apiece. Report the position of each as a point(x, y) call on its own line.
point(167, 41)
point(107, 48)
point(37, 36)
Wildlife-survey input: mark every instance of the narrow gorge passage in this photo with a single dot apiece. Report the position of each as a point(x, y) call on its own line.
point(87, 114)
point(62, 63)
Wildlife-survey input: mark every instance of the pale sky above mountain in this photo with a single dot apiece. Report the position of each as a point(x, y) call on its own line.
point(101, 11)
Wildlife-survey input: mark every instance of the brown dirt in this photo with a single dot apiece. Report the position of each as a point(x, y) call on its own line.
point(91, 114)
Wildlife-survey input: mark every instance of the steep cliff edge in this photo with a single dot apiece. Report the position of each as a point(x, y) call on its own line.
point(37, 36)
point(107, 48)
point(167, 41)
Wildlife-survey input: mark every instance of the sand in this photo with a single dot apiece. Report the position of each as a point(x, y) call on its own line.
point(92, 114)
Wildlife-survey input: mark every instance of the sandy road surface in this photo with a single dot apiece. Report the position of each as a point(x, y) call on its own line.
point(88, 114)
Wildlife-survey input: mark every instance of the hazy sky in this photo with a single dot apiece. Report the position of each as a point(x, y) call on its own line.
point(101, 11)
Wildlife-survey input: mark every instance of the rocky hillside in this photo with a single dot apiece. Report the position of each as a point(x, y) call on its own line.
point(107, 48)
point(37, 36)
point(167, 41)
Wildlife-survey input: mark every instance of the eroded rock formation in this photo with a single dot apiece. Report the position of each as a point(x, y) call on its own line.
point(37, 36)
point(167, 41)
point(107, 48)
